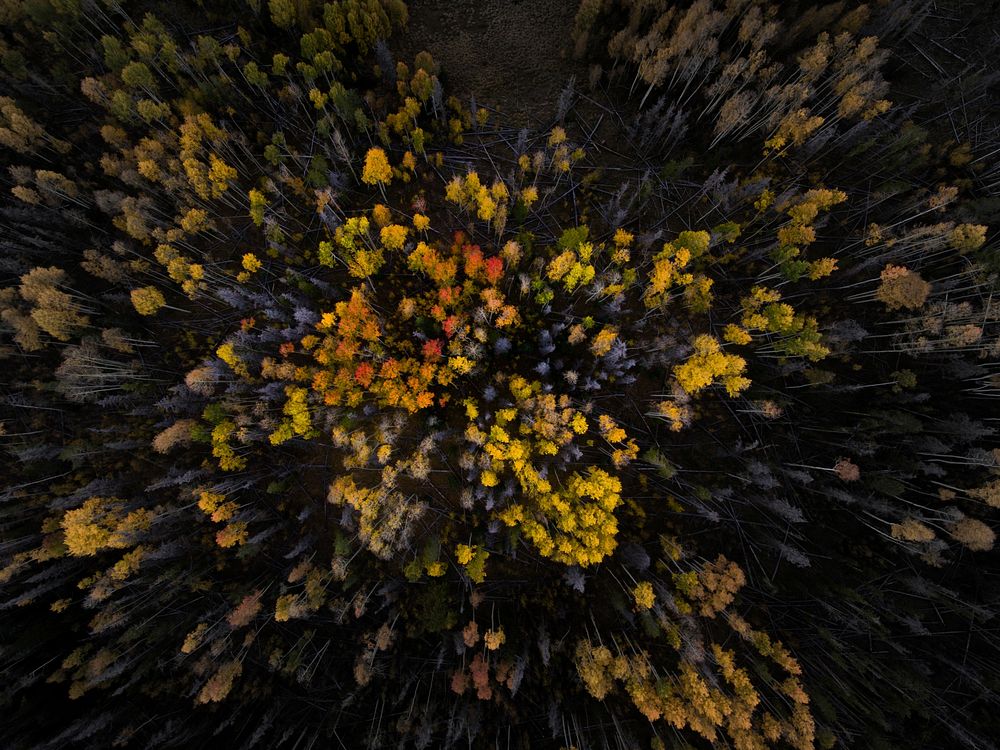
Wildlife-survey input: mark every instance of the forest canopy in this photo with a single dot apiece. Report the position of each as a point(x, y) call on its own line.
point(342, 409)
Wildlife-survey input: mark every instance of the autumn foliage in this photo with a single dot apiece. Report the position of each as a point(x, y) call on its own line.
point(342, 411)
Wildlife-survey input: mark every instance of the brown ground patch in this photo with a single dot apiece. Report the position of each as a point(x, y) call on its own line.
point(512, 55)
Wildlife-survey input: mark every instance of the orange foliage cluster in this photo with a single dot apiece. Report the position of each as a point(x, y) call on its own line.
point(357, 354)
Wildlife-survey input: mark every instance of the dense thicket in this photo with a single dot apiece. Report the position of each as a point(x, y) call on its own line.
point(337, 411)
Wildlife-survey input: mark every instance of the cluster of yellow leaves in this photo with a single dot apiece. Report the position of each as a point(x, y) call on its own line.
point(180, 268)
point(763, 310)
point(708, 365)
point(989, 493)
point(426, 259)
point(393, 236)
point(572, 267)
point(216, 506)
point(227, 354)
point(494, 639)
point(193, 639)
point(257, 205)
point(623, 238)
point(298, 421)
point(574, 525)
point(643, 595)
point(474, 559)
point(381, 215)
point(795, 127)
point(528, 195)
point(220, 683)
point(548, 423)
point(900, 288)
point(403, 120)
point(100, 523)
point(973, 533)
point(222, 450)
point(147, 300)
point(692, 697)
point(312, 596)
point(221, 510)
point(384, 513)
point(967, 237)
point(251, 264)
point(712, 588)
point(377, 170)
point(672, 268)
point(363, 258)
point(603, 341)
point(210, 180)
point(562, 159)
point(675, 412)
point(624, 448)
point(799, 234)
point(490, 203)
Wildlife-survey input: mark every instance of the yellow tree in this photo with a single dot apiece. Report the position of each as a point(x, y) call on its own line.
point(147, 300)
point(377, 170)
point(708, 365)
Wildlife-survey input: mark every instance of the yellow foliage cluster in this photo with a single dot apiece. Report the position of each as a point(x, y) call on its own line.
point(708, 365)
point(384, 514)
point(799, 234)
point(221, 683)
point(299, 604)
point(180, 268)
point(381, 215)
point(623, 238)
point(393, 236)
point(101, 523)
point(251, 263)
point(713, 588)
point(672, 267)
point(675, 412)
point(578, 525)
point(624, 448)
point(694, 698)
point(227, 354)
point(210, 180)
point(572, 267)
point(574, 524)
point(643, 595)
point(902, 288)
point(795, 127)
point(474, 559)
point(763, 310)
point(222, 450)
point(216, 506)
point(468, 192)
point(258, 202)
point(967, 237)
point(221, 510)
point(377, 170)
point(147, 300)
point(362, 256)
point(603, 341)
point(494, 639)
point(298, 421)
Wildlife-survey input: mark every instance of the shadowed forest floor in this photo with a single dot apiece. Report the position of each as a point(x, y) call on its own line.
point(514, 55)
